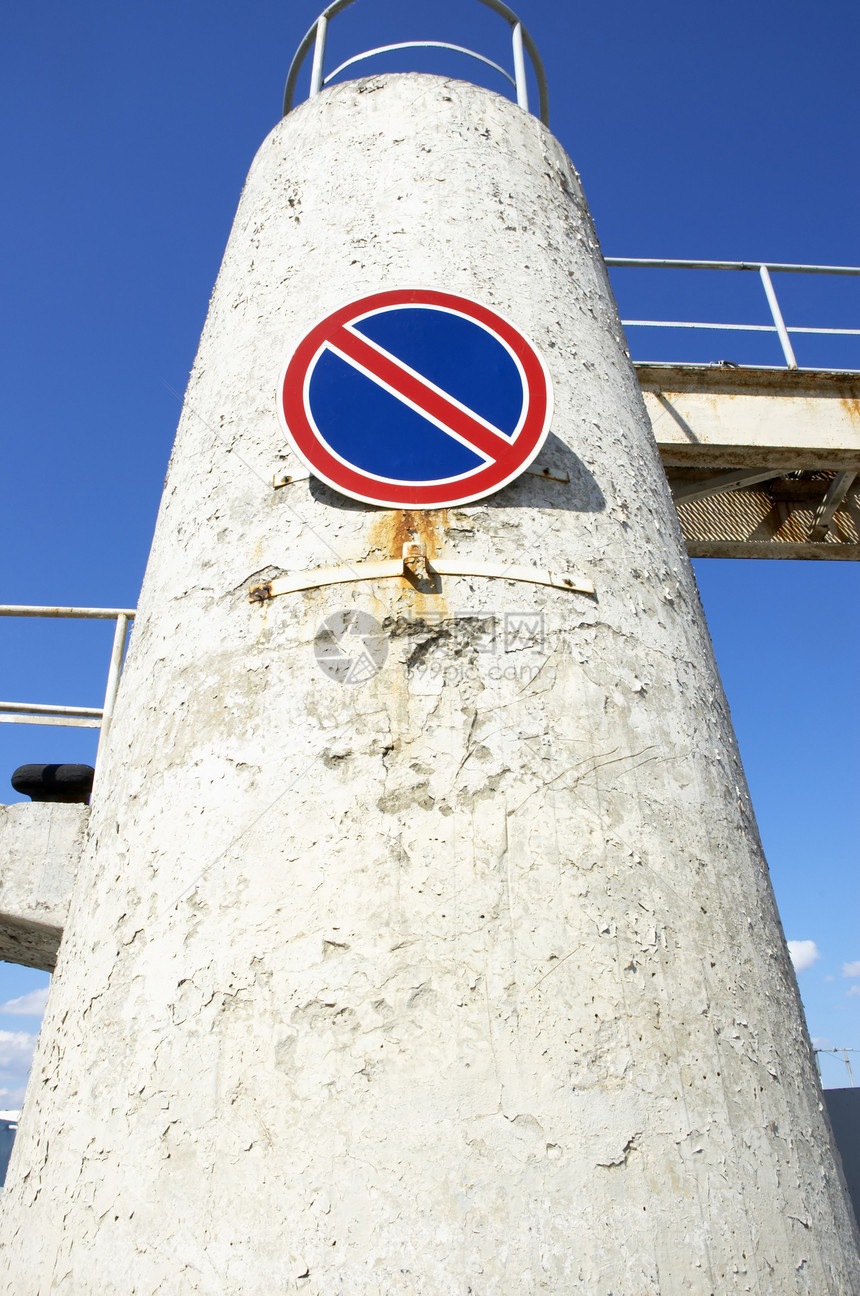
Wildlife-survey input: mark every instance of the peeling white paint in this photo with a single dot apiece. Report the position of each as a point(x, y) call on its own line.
point(446, 983)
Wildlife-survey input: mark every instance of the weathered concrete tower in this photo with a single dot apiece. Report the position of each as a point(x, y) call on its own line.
point(423, 941)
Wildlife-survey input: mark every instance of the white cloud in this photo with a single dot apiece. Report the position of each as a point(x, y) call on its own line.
point(28, 1005)
point(803, 954)
point(16, 1054)
point(820, 1041)
point(851, 969)
point(853, 990)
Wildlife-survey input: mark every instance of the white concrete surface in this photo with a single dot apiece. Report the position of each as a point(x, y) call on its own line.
point(466, 979)
point(40, 850)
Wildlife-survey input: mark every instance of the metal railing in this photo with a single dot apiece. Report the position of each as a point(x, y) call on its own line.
point(841, 1052)
point(764, 269)
point(520, 39)
point(74, 717)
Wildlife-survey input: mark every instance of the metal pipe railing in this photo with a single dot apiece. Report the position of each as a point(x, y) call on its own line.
point(320, 37)
point(764, 269)
point(73, 613)
point(386, 49)
point(66, 716)
point(520, 68)
point(120, 635)
point(521, 42)
point(779, 322)
point(781, 267)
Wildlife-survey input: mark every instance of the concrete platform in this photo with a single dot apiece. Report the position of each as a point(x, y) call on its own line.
point(40, 846)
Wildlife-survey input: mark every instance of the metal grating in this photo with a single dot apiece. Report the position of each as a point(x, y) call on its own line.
point(771, 520)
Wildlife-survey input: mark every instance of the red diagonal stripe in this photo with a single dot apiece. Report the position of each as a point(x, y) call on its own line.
point(420, 393)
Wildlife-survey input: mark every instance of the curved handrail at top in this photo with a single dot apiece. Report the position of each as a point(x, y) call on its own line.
point(387, 49)
point(316, 35)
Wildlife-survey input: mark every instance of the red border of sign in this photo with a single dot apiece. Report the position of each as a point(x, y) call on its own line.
point(370, 489)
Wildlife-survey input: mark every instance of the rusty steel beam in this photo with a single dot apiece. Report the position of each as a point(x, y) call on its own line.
point(824, 516)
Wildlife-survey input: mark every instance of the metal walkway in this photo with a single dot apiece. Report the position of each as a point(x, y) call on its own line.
point(762, 462)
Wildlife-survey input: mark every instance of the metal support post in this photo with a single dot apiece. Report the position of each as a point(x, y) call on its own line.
point(112, 681)
point(319, 55)
point(777, 317)
point(520, 67)
point(839, 488)
point(737, 479)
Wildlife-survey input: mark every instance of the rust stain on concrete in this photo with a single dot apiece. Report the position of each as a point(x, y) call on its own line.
point(851, 406)
point(427, 527)
point(392, 530)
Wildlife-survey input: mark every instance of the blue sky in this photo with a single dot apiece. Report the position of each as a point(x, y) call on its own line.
point(699, 132)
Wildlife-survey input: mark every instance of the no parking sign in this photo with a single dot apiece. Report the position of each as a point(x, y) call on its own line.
point(416, 399)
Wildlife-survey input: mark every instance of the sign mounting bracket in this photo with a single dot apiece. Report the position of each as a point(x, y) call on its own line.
point(415, 562)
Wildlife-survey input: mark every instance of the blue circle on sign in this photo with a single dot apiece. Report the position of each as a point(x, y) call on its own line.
point(368, 425)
